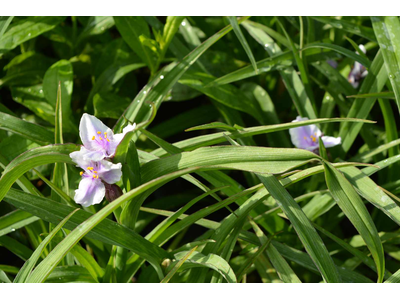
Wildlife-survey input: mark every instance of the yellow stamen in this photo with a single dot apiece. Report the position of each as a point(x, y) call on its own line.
point(108, 140)
point(93, 138)
point(105, 133)
point(100, 138)
point(305, 138)
point(313, 138)
point(81, 173)
point(90, 168)
point(94, 176)
point(95, 172)
point(97, 176)
point(98, 132)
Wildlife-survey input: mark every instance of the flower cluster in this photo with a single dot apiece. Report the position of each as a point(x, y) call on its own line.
point(307, 137)
point(99, 146)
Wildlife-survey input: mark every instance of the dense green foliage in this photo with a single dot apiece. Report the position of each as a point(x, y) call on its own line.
point(213, 188)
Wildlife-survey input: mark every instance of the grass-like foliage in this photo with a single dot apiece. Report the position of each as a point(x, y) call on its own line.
point(199, 149)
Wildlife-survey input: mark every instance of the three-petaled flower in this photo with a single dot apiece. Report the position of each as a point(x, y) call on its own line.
point(98, 140)
point(99, 146)
point(307, 137)
point(91, 188)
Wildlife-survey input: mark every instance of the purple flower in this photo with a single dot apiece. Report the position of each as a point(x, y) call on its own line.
point(358, 71)
point(306, 137)
point(98, 140)
point(91, 188)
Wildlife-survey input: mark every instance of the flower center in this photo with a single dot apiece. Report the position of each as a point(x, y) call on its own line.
point(101, 138)
point(90, 172)
point(312, 137)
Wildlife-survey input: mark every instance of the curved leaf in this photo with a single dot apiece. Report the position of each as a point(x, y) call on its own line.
point(353, 207)
point(31, 131)
point(31, 159)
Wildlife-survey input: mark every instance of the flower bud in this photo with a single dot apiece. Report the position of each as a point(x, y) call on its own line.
point(113, 191)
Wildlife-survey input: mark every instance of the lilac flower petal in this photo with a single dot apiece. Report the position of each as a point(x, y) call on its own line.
point(88, 128)
point(297, 136)
point(352, 80)
point(305, 137)
point(92, 155)
point(91, 191)
point(84, 157)
point(312, 147)
point(117, 138)
point(362, 48)
point(330, 141)
point(79, 159)
point(364, 74)
point(358, 71)
point(109, 172)
point(313, 130)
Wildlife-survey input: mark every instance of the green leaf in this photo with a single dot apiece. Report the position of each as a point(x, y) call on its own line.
point(32, 98)
point(26, 69)
point(95, 25)
point(65, 197)
point(109, 105)
point(86, 260)
point(17, 248)
point(170, 29)
point(60, 76)
point(31, 131)
point(300, 61)
point(322, 150)
point(383, 95)
point(351, 54)
point(244, 269)
point(387, 31)
point(74, 274)
point(359, 254)
point(351, 204)
point(369, 190)
point(359, 30)
point(285, 272)
point(27, 29)
point(157, 231)
point(171, 273)
point(304, 229)
point(213, 125)
point(228, 95)
point(4, 22)
point(107, 231)
point(211, 261)
point(60, 172)
point(136, 33)
point(23, 274)
point(4, 278)
point(31, 159)
point(252, 159)
point(215, 138)
point(50, 262)
point(111, 75)
point(243, 41)
point(15, 220)
point(395, 278)
point(126, 154)
point(373, 83)
point(158, 87)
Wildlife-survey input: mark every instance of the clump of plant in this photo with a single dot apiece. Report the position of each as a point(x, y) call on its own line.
point(199, 149)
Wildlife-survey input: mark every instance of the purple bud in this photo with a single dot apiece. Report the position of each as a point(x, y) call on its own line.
point(113, 191)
